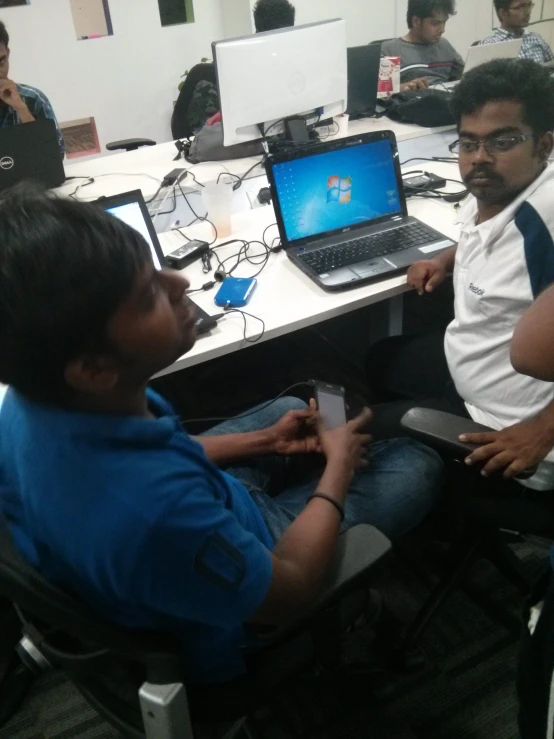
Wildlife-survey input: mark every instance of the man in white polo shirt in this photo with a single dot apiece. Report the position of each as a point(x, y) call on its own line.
point(504, 260)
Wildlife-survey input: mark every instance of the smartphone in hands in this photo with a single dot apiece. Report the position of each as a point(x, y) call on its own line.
point(330, 404)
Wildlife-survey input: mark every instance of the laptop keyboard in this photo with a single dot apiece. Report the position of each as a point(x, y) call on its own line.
point(367, 247)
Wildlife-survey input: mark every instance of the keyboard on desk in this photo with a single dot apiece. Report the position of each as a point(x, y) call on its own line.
point(368, 247)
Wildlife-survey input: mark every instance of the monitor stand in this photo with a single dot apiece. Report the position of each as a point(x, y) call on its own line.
point(298, 132)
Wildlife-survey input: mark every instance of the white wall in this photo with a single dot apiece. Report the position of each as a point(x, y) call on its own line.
point(366, 20)
point(236, 18)
point(127, 81)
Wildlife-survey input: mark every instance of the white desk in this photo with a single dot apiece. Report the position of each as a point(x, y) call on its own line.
point(145, 168)
point(285, 298)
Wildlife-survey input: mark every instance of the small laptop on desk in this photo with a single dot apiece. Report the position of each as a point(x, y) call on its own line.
point(341, 211)
point(363, 79)
point(131, 208)
point(483, 53)
point(30, 151)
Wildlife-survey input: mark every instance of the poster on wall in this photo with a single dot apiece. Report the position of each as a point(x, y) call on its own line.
point(81, 138)
point(91, 19)
point(175, 12)
point(13, 3)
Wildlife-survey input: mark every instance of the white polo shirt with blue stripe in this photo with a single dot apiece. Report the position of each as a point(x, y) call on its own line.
point(502, 265)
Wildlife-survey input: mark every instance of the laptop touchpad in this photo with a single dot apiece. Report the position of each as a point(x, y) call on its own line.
point(371, 267)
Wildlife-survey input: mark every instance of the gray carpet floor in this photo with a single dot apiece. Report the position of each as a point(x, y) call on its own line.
point(465, 692)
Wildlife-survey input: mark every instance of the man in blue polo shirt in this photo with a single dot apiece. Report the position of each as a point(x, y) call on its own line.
point(21, 103)
point(105, 492)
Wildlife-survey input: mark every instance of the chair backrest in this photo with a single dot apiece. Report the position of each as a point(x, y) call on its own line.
point(41, 600)
point(197, 101)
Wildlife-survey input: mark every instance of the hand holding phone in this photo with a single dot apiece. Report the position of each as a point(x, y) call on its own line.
point(330, 404)
point(347, 444)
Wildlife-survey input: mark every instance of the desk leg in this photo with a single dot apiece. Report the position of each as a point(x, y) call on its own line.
point(386, 319)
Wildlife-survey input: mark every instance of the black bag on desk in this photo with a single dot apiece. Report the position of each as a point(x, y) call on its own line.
point(428, 108)
point(207, 146)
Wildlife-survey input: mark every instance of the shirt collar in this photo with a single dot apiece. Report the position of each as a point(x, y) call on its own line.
point(116, 429)
point(508, 34)
point(492, 228)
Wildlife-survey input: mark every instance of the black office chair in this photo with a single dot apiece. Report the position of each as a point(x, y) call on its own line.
point(198, 100)
point(129, 144)
point(135, 679)
point(488, 523)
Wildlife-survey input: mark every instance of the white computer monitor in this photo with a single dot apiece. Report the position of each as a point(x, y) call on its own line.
point(268, 77)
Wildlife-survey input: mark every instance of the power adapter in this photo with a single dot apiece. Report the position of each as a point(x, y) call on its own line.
point(419, 182)
point(176, 175)
point(186, 254)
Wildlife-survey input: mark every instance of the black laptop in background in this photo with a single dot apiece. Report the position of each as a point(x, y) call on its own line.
point(30, 151)
point(363, 79)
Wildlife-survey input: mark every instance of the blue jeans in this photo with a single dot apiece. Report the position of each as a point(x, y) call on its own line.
point(399, 488)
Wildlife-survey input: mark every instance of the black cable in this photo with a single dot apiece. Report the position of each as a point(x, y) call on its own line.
point(448, 160)
point(85, 184)
point(306, 383)
point(158, 191)
point(237, 185)
point(200, 184)
point(173, 208)
point(202, 219)
point(256, 318)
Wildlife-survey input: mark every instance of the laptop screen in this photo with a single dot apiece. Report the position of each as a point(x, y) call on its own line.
point(337, 189)
point(131, 208)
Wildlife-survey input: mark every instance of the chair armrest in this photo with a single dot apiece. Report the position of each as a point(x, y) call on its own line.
point(359, 550)
point(442, 430)
point(129, 144)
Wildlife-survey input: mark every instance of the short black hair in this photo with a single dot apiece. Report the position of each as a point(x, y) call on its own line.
point(65, 268)
point(427, 8)
point(4, 35)
point(521, 80)
point(502, 4)
point(269, 15)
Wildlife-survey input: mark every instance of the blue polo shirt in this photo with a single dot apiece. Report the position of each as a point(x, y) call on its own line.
point(131, 515)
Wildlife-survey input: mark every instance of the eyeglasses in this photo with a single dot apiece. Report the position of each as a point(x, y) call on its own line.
point(522, 7)
point(493, 146)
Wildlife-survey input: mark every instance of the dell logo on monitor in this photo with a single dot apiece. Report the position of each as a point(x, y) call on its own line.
point(6, 163)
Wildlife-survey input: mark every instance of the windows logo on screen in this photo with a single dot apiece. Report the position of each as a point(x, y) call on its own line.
point(339, 189)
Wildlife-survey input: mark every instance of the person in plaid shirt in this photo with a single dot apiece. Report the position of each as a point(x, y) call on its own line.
point(514, 16)
point(21, 103)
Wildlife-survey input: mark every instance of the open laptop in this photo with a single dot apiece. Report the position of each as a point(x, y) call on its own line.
point(131, 208)
point(30, 151)
point(363, 79)
point(341, 211)
point(483, 53)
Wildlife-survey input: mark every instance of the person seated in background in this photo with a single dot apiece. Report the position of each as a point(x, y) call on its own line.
point(106, 493)
point(503, 261)
point(533, 355)
point(21, 103)
point(514, 17)
point(425, 56)
point(270, 15)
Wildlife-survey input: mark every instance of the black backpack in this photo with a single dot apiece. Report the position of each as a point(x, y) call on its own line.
point(428, 108)
point(15, 677)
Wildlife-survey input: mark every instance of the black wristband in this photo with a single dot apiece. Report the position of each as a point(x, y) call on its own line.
point(331, 500)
